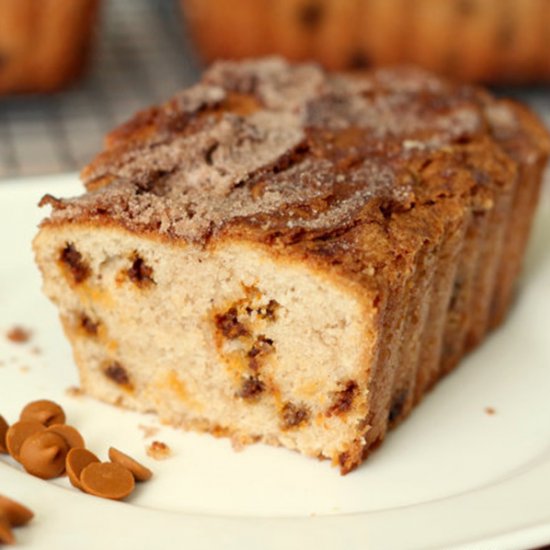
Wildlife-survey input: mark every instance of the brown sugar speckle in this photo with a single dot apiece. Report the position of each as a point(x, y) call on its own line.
point(490, 411)
point(18, 335)
point(158, 450)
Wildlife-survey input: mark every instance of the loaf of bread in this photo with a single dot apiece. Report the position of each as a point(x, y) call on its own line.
point(483, 40)
point(43, 43)
point(290, 256)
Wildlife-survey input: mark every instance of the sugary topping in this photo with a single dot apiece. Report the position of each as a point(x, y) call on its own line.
point(285, 148)
point(278, 86)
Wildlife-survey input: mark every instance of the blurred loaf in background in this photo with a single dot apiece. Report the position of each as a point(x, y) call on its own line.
point(43, 43)
point(495, 41)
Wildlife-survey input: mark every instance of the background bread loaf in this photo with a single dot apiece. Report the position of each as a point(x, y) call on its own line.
point(43, 43)
point(481, 40)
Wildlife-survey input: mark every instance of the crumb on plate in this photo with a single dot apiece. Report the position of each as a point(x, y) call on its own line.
point(158, 450)
point(18, 334)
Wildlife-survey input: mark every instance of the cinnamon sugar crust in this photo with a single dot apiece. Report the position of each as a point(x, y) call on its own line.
point(290, 151)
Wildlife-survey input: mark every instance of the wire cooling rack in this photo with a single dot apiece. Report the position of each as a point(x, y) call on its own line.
point(141, 56)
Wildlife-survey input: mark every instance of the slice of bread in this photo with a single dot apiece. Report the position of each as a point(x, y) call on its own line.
point(285, 255)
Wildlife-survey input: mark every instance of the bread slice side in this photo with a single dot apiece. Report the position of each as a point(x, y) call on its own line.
point(230, 339)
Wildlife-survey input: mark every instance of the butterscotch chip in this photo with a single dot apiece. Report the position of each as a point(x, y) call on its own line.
point(15, 513)
point(17, 434)
point(6, 534)
point(3, 430)
point(107, 480)
point(43, 454)
point(44, 411)
point(71, 435)
point(77, 459)
point(139, 471)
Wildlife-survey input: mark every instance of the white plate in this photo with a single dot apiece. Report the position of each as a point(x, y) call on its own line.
point(452, 476)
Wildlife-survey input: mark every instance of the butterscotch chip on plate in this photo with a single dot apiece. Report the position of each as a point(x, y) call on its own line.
point(139, 471)
point(107, 480)
point(77, 459)
point(43, 454)
point(71, 435)
point(14, 512)
point(18, 433)
point(44, 411)
point(6, 533)
point(4, 426)
point(286, 255)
